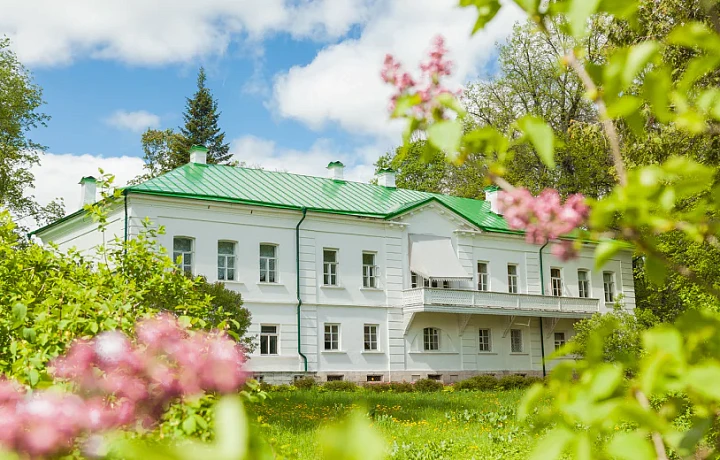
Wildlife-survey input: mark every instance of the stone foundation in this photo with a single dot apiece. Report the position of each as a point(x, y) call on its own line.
point(447, 377)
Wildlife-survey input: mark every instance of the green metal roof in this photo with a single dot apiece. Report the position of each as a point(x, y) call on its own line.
point(295, 191)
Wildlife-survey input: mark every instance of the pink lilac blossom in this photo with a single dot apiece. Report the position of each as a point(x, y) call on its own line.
point(545, 217)
point(119, 383)
point(427, 88)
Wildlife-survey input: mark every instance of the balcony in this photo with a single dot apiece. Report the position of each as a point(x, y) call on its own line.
point(499, 303)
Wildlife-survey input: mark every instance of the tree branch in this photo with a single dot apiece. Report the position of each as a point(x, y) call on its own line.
point(607, 123)
point(655, 436)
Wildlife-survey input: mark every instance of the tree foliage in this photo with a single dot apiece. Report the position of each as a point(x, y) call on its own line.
point(48, 298)
point(201, 128)
point(20, 104)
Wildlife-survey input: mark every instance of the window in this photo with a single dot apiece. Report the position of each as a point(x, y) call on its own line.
point(583, 283)
point(330, 267)
point(183, 251)
point(556, 281)
point(375, 378)
point(483, 284)
point(369, 270)
point(512, 279)
point(485, 340)
point(335, 378)
point(371, 337)
point(268, 263)
point(332, 336)
point(431, 339)
point(559, 340)
point(226, 260)
point(436, 377)
point(415, 280)
point(516, 341)
point(268, 340)
point(609, 286)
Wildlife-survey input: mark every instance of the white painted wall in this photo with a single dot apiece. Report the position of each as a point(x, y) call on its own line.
point(349, 304)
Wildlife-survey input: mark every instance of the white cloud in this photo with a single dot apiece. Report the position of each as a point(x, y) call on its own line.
point(47, 32)
point(342, 84)
point(58, 175)
point(254, 151)
point(136, 122)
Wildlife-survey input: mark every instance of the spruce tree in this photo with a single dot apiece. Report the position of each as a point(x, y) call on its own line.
point(201, 127)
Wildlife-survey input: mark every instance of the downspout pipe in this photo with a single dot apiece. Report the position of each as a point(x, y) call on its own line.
point(125, 204)
point(542, 292)
point(297, 285)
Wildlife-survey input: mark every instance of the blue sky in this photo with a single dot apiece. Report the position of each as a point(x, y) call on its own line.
point(297, 80)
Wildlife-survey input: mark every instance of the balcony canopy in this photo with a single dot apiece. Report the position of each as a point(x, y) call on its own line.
point(433, 257)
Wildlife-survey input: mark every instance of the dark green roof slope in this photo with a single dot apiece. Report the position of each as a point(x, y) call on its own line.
point(295, 191)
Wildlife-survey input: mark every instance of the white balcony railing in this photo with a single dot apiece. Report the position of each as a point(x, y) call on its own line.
point(488, 299)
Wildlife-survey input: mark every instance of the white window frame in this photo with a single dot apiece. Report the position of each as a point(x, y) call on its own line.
point(370, 271)
point(271, 275)
point(227, 258)
point(187, 268)
point(483, 279)
point(331, 330)
point(269, 336)
point(331, 275)
point(431, 339)
point(609, 287)
point(556, 283)
point(513, 279)
point(560, 340)
point(516, 341)
point(370, 337)
point(584, 285)
point(485, 343)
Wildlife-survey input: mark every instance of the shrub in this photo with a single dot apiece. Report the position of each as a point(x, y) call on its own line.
point(401, 387)
point(512, 382)
point(428, 385)
point(479, 383)
point(378, 387)
point(49, 298)
point(340, 385)
point(305, 383)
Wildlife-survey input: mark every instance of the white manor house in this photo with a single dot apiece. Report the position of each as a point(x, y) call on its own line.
point(362, 282)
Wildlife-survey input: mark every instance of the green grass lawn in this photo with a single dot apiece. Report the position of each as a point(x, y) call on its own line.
point(468, 425)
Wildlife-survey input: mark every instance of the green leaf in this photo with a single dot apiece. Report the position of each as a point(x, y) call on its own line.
point(624, 106)
point(553, 445)
point(529, 400)
point(188, 425)
point(694, 34)
point(34, 376)
point(451, 102)
point(631, 446)
point(541, 136)
point(605, 380)
point(404, 103)
point(578, 14)
point(29, 334)
point(445, 135)
point(656, 90)
point(231, 428)
point(487, 9)
point(353, 439)
point(19, 311)
point(704, 380)
point(638, 57)
point(606, 250)
point(621, 9)
point(656, 270)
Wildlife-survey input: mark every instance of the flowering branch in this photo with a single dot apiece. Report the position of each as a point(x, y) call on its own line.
point(119, 383)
